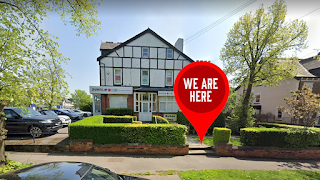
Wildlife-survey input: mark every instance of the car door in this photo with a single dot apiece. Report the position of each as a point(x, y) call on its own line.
point(14, 122)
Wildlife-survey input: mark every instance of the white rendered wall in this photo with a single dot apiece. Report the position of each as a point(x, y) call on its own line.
point(157, 78)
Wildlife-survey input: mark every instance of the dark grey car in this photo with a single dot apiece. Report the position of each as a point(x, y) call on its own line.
point(66, 170)
point(28, 121)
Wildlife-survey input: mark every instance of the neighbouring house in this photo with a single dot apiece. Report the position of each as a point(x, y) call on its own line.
point(139, 74)
point(267, 100)
point(65, 104)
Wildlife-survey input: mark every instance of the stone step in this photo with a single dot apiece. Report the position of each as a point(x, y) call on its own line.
point(202, 152)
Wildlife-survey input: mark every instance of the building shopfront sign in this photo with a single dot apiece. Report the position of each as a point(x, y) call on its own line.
point(110, 90)
point(165, 93)
point(170, 117)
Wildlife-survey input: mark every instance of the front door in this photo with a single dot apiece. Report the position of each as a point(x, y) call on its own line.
point(145, 105)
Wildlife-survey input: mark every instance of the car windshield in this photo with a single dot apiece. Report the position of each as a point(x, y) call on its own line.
point(64, 111)
point(69, 110)
point(27, 112)
point(51, 113)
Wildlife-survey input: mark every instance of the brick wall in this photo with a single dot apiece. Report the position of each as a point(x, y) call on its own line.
point(226, 149)
point(85, 145)
point(130, 101)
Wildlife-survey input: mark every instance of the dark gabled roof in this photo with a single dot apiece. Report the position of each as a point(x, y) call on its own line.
point(139, 35)
point(311, 62)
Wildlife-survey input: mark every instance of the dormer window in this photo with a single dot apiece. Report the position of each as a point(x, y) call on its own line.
point(145, 52)
point(169, 54)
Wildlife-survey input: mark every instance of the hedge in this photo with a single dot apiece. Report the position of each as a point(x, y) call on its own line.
point(118, 119)
point(117, 133)
point(221, 135)
point(119, 111)
point(280, 137)
point(160, 120)
point(275, 125)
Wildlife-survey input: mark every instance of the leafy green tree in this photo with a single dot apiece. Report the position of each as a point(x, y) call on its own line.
point(230, 105)
point(303, 106)
point(50, 84)
point(81, 99)
point(23, 43)
point(254, 46)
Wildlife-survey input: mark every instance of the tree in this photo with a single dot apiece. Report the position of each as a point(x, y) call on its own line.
point(303, 106)
point(81, 99)
point(50, 84)
point(23, 43)
point(254, 46)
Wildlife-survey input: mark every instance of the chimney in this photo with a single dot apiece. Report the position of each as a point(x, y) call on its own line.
point(179, 44)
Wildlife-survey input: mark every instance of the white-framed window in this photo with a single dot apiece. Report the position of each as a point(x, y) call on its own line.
point(144, 77)
point(257, 98)
point(167, 104)
point(145, 102)
point(117, 76)
point(145, 52)
point(169, 54)
point(169, 77)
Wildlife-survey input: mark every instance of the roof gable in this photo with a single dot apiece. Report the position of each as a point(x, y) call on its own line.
point(157, 37)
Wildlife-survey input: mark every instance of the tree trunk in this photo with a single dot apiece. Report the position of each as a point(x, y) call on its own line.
point(3, 133)
point(246, 104)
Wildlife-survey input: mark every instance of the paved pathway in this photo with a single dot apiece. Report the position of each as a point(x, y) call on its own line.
point(145, 163)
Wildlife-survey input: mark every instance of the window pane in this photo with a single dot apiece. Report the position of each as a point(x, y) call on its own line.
point(162, 106)
point(162, 98)
point(117, 71)
point(170, 107)
point(170, 98)
point(169, 54)
point(145, 73)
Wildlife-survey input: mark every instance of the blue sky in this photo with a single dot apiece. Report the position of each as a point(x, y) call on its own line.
point(123, 19)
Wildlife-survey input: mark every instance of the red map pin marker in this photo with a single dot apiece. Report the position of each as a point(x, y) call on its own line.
point(201, 90)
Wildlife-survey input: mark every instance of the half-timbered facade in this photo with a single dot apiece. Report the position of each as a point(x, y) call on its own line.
point(139, 74)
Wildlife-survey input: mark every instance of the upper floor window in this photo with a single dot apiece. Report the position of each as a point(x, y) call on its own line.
point(169, 54)
point(145, 52)
point(144, 77)
point(257, 98)
point(169, 78)
point(117, 76)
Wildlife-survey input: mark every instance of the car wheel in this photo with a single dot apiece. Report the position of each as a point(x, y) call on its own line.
point(35, 131)
point(85, 115)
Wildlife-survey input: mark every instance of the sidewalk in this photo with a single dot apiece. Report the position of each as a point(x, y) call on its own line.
point(130, 164)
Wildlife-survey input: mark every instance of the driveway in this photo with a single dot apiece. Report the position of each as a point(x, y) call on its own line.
point(60, 138)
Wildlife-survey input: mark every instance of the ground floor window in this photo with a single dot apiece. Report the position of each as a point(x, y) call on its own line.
point(118, 101)
point(167, 104)
point(97, 103)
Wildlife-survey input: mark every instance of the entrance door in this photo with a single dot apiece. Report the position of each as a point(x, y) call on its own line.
point(145, 104)
point(145, 113)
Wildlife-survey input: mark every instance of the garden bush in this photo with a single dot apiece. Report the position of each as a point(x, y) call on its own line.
point(221, 135)
point(160, 120)
point(119, 111)
point(280, 137)
point(136, 122)
point(275, 125)
point(117, 133)
point(118, 119)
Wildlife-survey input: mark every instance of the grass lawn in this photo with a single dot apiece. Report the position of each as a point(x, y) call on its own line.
point(254, 174)
point(208, 141)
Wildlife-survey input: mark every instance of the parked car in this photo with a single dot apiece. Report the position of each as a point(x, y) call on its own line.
point(74, 116)
point(26, 120)
point(66, 170)
point(63, 118)
point(84, 113)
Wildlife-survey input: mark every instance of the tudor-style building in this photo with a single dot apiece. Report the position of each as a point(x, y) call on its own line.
point(139, 74)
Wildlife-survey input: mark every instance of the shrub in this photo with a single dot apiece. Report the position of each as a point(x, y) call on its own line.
point(160, 120)
point(275, 125)
point(280, 137)
point(136, 122)
point(117, 133)
point(118, 119)
point(119, 111)
point(221, 135)
point(219, 122)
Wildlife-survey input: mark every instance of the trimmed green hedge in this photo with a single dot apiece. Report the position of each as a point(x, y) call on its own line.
point(118, 119)
point(116, 133)
point(119, 111)
point(136, 122)
point(280, 137)
point(275, 125)
point(160, 120)
point(221, 135)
